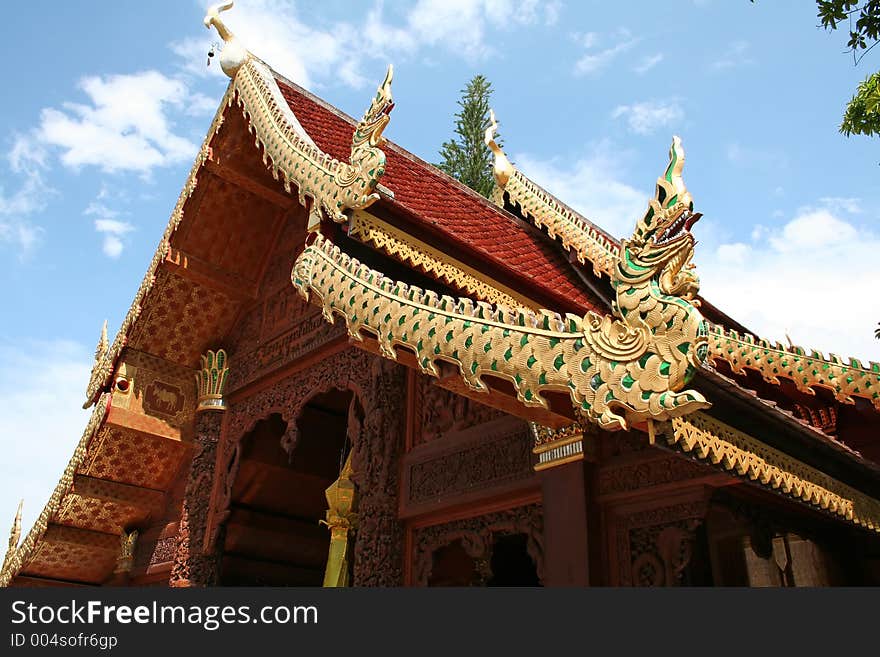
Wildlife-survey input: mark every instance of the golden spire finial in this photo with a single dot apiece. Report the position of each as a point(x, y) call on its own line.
point(103, 343)
point(502, 169)
point(234, 54)
point(14, 536)
point(15, 533)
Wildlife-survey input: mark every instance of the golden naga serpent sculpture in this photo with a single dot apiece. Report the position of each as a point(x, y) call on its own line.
point(846, 378)
point(333, 186)
point(616, 370)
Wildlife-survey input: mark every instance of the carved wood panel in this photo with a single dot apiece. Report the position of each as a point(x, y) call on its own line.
point(441, 412)
point(655, 545)
point(485, 459)
point(288, 328)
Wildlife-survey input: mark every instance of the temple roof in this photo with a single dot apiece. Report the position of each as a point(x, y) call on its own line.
point(497, 244)
point(442, 204)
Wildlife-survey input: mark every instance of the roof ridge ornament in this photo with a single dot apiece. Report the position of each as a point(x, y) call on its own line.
point(103, 344)
point(328, 187)
point(234, 54)
point(544, 210)
point(14, 536)
point(502, 169)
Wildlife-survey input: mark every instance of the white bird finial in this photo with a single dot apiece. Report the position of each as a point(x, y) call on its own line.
point(234, 54)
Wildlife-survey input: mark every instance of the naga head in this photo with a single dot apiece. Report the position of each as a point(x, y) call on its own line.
point(662, 244)
point(369, 129)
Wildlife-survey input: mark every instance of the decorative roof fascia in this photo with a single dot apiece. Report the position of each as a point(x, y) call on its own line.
point(26, 550)
point(740, 454)
point(546, 211)
point(576, 234)
point(806, 370)
point(290, 154)
point(399, 244)
point(629, 368)
point(589, 358)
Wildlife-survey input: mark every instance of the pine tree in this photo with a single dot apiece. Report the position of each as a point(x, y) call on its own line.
point(466, 157)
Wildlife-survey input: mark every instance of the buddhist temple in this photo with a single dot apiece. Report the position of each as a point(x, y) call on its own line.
point(345, 368)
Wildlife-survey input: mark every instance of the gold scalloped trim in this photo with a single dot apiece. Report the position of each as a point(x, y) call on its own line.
point(806, 370)
point(372, 230)
point(545, 210)
point(537, 351)
point(290, 154)
point(746, 457)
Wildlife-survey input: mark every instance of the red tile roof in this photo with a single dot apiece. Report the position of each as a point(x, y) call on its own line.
point(443, 204)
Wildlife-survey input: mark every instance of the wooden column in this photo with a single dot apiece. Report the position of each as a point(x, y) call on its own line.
point(379, 541)
point(566, 540)
point(192, 567)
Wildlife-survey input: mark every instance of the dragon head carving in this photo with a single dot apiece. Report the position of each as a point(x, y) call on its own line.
point(662, 244)
point(655, 284)
point(370, 128)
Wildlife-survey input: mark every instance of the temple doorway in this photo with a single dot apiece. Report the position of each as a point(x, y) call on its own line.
point(274, 536)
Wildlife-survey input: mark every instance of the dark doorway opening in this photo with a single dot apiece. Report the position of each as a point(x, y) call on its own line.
point(511, 564)
point(273, 536)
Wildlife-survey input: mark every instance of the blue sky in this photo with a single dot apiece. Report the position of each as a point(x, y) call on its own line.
point(107, 102)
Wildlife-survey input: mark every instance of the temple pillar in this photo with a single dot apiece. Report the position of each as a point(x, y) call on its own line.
point(380, 537)
point(564, 489)
point(192, 566)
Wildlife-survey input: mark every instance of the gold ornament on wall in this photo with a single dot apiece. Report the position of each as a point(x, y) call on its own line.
point(211, 381)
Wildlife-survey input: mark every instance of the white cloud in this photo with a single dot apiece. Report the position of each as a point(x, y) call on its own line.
point(125, 128)
point(842, 204)
point(27, 155)
point(645, 118)
point(27, 163)
point(736, 54)
point(27, 199)
point(23, 234)
point(305, 52)
point(457, 23)
point(591, 186)
point(593, 62)
point(201, 105)
point(107, 225)
point(799, 279)
point(112, 246)
point(733, 254)
point(647, 63)
point(42, 388)
point(113, 226)
point(586, 39)
point(813, 230)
